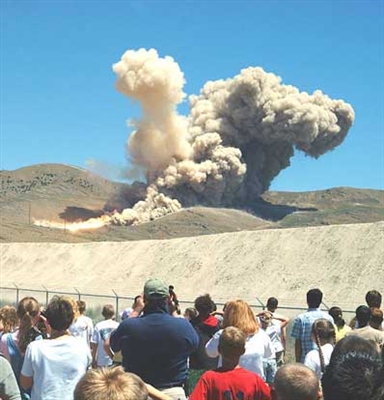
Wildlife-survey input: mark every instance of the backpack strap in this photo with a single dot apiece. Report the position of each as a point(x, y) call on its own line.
point(15, 356)
point(17, 360)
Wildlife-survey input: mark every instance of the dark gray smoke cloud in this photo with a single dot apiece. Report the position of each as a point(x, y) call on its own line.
point(240, 133)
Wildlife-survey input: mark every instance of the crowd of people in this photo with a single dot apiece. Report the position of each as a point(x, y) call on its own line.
point(159, 352)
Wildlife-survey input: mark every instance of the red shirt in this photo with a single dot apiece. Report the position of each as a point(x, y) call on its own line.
point(235, 384)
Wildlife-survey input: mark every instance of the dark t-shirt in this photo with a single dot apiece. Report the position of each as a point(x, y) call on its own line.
point(236, 384)
point(205, 329)
point(156, 347)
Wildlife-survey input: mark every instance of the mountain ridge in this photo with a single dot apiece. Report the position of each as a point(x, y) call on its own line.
point(66, 193)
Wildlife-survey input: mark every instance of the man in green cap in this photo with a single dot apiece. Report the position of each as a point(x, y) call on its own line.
point(156, 345)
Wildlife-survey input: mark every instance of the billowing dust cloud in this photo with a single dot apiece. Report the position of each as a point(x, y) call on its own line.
point(240, 133)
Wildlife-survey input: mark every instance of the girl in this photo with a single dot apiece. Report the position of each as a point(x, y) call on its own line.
point(14, 344)
point(258, 345)
point(323, 334)
point(341, 327)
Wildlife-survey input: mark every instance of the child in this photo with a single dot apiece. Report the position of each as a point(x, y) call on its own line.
point(114, 384)
point(323, 334)
point(231, 381)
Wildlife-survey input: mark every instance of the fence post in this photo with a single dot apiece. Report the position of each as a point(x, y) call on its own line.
point(325, 305)
point(17, 293)
point(78, 294)
point(116, 302)
point(46, 295)
point(261, 303)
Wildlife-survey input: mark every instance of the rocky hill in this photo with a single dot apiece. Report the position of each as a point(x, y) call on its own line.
point(66, 194)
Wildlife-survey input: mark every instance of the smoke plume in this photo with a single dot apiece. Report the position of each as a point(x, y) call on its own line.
point(240, 133)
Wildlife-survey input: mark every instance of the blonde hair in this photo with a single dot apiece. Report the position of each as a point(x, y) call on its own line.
point(232, 342)
point(8, 317)
point(238, 314)
point(27, 310)
point(111, 384)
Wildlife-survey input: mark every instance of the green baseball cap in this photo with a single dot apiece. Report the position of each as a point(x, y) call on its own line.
point(155, 288)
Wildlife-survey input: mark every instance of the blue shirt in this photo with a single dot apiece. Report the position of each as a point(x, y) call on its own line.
point(156, 347)
point(302, 329)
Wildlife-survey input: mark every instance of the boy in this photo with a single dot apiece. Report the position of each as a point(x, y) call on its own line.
point(297, 382)
point(231, 382)
point(114, 384)
point(101, 332)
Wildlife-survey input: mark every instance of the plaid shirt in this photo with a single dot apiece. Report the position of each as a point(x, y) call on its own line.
point(302, 329)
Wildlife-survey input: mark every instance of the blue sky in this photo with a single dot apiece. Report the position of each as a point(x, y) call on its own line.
point(59, 104)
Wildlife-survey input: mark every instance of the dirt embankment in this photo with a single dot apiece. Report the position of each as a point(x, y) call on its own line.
point(343, 260)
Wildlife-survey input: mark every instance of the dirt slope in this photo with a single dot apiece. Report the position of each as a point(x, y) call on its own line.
point(343, 260)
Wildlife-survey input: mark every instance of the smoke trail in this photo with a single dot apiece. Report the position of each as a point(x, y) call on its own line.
point(241, 132)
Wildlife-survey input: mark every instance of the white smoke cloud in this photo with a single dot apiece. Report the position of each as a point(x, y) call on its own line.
point(240, 133)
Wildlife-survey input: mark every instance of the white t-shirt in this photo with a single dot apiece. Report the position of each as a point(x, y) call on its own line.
point(312, 359)
point(101, 332)
point(56, 366)
point(82, 328)
point(274, 333)
point(257, 347)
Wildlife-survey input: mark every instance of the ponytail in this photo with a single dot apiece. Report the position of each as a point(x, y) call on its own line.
point(317, 339)
point(323, 332)
point(27, 310)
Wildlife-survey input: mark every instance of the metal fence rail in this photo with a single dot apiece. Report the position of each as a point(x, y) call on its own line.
point(12, 295)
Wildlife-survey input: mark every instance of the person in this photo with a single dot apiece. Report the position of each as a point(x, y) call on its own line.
point(355, 344)
point(82, 328)
point(126, 313)
point(231, 381)
point(8, 319)
point(353, 376)
point(373, 299)
point(341, 327)
point(274, 333)
point(137, 307)
point(258, 345)
point(296, 382)
point(173, 299)
point(13, 344)
point(9, 388)
point(219, 314)
point(101, 332)
point(282, 322)
point(114, 384)
point(364, 330)
point(302, 326)
point(52, 367)
point(376, 320)
point(156, 346)
point(205, 325)
point(190, 313)
point(323, 334)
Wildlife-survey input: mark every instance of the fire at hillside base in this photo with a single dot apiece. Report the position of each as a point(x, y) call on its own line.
point(239, 134)
point(73, 227)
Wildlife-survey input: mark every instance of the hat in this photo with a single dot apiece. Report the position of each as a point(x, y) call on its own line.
point(155, 288)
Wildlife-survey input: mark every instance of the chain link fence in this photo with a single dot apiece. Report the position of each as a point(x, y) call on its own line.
point(95, 301)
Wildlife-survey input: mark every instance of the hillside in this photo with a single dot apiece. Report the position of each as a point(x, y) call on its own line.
point(65, 193)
